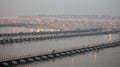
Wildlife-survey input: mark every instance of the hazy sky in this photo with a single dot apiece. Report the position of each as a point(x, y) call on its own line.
point(72, 7)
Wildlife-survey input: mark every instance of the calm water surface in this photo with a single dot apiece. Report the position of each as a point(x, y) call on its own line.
point(34, 47)
point(105, 58)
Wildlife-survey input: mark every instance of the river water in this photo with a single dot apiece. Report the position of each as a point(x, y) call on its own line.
point(105, 58)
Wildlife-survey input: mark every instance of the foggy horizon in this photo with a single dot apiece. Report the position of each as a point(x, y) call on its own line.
point(59, 33)
point(59, 7)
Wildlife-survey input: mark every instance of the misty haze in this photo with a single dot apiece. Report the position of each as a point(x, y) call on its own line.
point(59, 33)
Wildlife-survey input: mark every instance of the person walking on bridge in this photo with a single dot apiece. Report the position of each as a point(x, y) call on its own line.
point(53, 51)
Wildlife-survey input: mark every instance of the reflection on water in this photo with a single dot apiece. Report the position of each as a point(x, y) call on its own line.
point(14, 30)
point(108, 36)
point(41, 30)
point(72, 62)
point(38, 30)
point(23, 29)
point(31, 30)
point(95, 55)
